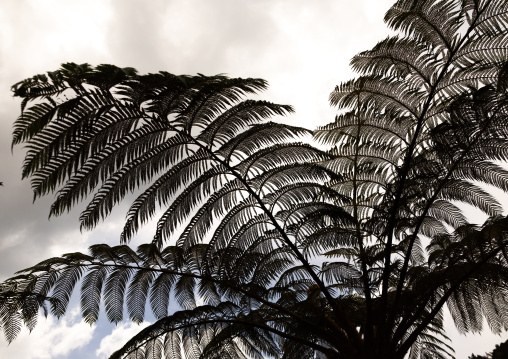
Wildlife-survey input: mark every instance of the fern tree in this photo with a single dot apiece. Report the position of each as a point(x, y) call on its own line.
point(411, 142)
point(268, 246)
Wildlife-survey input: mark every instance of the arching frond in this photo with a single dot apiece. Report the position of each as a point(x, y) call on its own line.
point(266, 246)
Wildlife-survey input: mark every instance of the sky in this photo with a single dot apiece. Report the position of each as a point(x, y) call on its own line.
point(301, 47)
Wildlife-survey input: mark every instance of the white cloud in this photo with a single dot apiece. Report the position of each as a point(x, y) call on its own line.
point(51, 338)
point(120, 335)
point(375, 10)
point(53, 29)
point(472, 343)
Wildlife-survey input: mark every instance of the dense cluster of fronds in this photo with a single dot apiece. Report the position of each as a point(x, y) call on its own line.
point(411, 145)
point(266, 246)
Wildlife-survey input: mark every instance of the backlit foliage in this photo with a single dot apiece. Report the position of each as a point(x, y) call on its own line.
point(267, 246)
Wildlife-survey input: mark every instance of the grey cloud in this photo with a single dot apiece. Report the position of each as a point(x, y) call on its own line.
point(187, 36)
point(133, 35)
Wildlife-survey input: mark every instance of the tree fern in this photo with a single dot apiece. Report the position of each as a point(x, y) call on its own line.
point(266, 245)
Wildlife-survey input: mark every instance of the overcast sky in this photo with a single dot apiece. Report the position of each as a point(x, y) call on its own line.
point(301, 47)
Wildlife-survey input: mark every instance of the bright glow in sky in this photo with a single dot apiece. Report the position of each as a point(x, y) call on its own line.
point(301, 47)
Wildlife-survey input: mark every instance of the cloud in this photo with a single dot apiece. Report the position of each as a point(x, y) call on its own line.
point(50, 30)
point(472, 343)
point(51, 338)
point(120, 335)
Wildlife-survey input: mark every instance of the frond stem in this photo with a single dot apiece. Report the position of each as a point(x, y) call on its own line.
point(402, 276)
point(211, 279)
point(339, 314)
point(405, 170)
